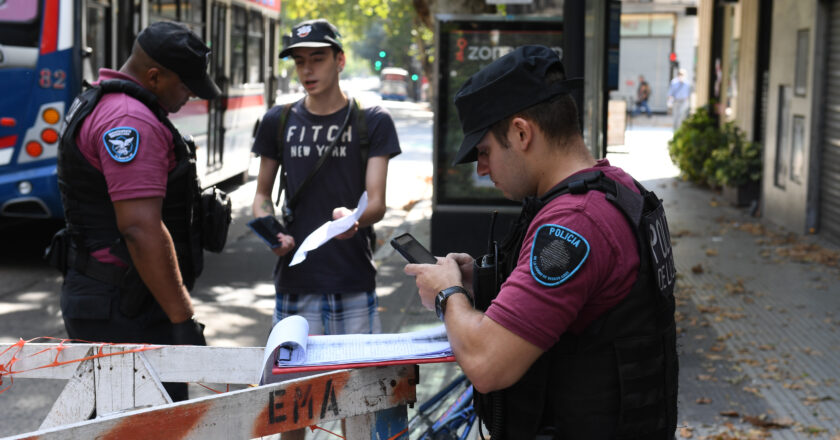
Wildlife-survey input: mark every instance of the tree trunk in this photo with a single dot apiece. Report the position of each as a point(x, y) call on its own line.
point(426, 11)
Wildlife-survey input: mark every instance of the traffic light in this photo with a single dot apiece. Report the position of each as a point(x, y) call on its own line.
point(672, 57)
point(377, 65)
point(414, 77)
point(382, 54)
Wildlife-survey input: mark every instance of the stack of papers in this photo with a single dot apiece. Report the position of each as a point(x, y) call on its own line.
point(289, 346)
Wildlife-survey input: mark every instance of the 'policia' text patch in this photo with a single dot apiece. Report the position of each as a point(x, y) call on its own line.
point(556, 254)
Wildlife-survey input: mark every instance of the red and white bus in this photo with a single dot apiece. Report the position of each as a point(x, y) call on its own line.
point(49, 47)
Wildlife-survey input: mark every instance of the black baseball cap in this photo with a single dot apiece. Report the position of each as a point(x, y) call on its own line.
point(311, 33)
point(177, 48)
point(508, 85)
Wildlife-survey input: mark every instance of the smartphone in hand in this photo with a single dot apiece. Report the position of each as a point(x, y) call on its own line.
point(412, 250)
point(267, 228)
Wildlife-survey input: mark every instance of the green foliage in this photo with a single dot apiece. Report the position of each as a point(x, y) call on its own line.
point(737, 161)
point(708, 154)
point(693, 143)
point(368, 27)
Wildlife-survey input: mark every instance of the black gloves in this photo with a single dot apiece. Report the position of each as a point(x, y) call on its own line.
point(189, 332)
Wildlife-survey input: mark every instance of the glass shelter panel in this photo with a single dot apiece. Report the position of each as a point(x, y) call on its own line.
point(465, 48)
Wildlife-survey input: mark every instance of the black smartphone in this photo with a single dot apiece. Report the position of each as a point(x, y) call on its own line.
point(412, 250)
point(267, 228)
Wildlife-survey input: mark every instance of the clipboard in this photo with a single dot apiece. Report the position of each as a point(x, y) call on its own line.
point(311, 368)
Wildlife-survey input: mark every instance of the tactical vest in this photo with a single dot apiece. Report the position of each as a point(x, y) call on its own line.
point(618, 379)
point(89, 212)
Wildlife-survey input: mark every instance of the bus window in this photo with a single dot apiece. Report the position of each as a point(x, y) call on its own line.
point(19, 24)
point(18, 11)
point(393, 84)
point(255, 48)
point(95, 34)
point(238, 35)
point(163, 10)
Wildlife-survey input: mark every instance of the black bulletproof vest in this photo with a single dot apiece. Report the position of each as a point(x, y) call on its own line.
point(88, 210)
point(618, 379)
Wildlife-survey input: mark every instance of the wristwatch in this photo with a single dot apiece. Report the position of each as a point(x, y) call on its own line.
point(443, 296)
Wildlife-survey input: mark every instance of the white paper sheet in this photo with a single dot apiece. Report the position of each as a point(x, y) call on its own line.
point(329, 230)
point(348, 349)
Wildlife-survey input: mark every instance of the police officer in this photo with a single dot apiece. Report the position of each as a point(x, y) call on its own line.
point(131, 249)
point(573, 334)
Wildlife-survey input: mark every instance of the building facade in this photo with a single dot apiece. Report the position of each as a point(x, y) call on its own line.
point(773, 67)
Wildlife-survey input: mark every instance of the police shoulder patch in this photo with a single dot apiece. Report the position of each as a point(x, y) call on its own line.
point(556, 254)
point(122, 143)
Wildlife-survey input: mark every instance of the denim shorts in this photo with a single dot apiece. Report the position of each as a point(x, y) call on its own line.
point(332, 313)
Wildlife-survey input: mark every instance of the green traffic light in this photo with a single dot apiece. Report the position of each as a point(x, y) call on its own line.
point(382, 54)
point(414, 77)
point(377, 65)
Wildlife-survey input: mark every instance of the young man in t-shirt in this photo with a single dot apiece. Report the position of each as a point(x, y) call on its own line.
point(334, 287)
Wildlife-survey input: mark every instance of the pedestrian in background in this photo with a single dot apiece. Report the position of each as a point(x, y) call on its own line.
point(679, 93)
point(129, 251)
point(642, 96)
point(575, 338)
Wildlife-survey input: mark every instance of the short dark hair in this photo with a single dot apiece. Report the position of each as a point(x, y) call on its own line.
point(557, 117)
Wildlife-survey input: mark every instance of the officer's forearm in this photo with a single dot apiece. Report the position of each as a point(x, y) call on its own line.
point(153, 254)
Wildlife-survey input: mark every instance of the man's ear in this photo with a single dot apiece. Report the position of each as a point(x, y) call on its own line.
point(153, 77)
point(522, 131)
point(341, 61)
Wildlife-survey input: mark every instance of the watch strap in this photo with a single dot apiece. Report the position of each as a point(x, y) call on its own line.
point(443, 296)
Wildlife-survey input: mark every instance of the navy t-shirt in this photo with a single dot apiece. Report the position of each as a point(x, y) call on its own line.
point(340, 266)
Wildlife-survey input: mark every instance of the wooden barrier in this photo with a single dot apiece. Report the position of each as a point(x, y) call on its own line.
point(121, 384)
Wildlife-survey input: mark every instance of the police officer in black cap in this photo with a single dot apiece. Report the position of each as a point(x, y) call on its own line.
point(132, 248)
point(567, 329)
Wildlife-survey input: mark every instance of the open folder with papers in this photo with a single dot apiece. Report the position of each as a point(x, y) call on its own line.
point(290, 349)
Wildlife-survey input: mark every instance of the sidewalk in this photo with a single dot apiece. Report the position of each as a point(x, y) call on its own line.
point(757, 308)
point(757, 312)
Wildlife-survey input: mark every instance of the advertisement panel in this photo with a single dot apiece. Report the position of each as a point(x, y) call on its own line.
point(466, 46)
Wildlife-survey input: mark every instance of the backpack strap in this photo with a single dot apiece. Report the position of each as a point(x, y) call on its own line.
point(284, 119)
point(364, 140)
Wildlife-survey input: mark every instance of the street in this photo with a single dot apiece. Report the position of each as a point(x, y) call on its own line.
point(757, 306)
point(234, 297)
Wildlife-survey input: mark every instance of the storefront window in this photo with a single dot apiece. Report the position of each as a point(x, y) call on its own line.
point(662, 25)
point(647, 25)
point(635, 25)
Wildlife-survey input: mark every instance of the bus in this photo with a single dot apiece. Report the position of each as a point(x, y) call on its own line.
point(393, 84)
point(50, 48)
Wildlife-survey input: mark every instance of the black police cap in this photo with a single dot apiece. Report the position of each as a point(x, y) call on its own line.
point(178, 49)
point(311, 33)
point(508, 85)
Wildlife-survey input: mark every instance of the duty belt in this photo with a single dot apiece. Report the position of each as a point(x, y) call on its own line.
point(93, 268)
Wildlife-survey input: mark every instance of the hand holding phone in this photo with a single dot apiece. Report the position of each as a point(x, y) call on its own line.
point(267, 228)
point(412, 250)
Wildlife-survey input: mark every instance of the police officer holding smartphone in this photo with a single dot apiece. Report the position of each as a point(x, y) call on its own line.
point(575, 336)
